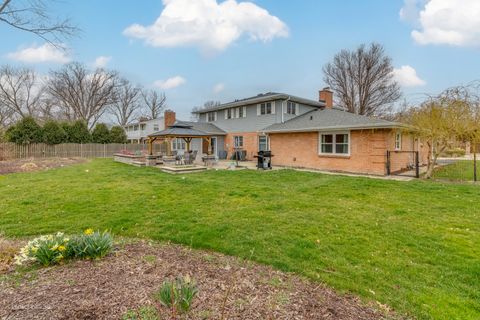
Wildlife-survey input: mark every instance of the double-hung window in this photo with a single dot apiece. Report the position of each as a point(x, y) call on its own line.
point(238, 141)
point(211, 116)
point(241, 112)
point(156, 127)
point(229, 113)
point(398, 141)
point(178, 144)
point(291, 108)
point(335, 143)
point(263, 143)
point(266, 108)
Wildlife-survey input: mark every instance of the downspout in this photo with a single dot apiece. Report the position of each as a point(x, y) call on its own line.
point(283, 111)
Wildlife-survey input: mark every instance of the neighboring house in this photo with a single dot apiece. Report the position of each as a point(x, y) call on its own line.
point(243, 120)
point(138, 132)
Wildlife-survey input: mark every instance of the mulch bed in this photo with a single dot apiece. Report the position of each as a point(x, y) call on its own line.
point(127, 279)
point(29, 165)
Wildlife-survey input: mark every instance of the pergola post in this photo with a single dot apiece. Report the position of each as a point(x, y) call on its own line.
point(150, 146)
point(169, 146)
point(209, 148)
point(187, 142)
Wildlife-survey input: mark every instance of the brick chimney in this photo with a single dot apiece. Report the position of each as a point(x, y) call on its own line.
point(169, 118)
point(326, 95)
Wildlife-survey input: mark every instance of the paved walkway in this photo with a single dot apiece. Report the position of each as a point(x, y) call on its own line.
point(252, 165)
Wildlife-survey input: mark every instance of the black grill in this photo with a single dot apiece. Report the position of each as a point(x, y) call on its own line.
point(264, 160)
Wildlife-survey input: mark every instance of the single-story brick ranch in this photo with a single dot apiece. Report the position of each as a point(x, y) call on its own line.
point(336, 140)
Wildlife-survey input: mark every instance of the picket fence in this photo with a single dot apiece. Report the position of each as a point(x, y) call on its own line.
point(9, 151)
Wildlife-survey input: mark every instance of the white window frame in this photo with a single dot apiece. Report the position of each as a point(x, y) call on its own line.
point(334, 142)
point(398, 141)
point(268, 142)
point(295, 108)
point(272, 108)
point(178, 144)
point(214, 116)
point(236, 139)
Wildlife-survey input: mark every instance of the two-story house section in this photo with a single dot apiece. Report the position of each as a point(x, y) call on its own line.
point(138, 132)
point(243, 120)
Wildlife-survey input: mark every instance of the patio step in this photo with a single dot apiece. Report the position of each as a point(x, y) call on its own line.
point(183, 169)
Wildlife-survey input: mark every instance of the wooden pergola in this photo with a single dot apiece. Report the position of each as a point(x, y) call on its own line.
point(185, 132)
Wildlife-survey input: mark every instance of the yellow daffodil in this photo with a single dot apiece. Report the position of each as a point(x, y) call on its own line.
point(88, 232)
point(55, 247)
point(61, 248)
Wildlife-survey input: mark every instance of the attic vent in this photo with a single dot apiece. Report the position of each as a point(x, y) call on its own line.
point(311, 117)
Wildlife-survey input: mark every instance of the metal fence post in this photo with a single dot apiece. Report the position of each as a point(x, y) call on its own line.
point(388, 163)
point(475, 165)
point(417, 165)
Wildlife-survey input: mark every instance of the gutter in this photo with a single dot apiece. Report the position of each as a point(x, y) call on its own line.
point(358, 127)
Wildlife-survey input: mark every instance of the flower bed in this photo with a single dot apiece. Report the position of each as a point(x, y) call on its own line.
point(53, 249)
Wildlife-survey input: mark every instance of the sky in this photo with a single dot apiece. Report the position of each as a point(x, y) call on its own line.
point(200, 50)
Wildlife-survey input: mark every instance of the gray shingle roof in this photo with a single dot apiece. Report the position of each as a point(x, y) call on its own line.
point(179, 130)
point(203, 126)
point(269, 96)
point(330, 119)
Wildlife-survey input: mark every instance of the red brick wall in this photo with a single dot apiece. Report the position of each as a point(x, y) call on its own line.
point(367, 151)
point(250, 143)
point(169, 118)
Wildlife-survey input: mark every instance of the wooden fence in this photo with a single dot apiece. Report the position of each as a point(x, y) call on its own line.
point(10, 151)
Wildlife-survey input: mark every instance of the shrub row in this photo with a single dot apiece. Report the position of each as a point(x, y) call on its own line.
point(28, 131)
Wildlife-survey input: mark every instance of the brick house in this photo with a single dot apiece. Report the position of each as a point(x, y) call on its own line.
point(312, 134)
point(243, 121)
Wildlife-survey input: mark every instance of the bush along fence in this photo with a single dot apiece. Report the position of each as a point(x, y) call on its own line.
point(11, 151)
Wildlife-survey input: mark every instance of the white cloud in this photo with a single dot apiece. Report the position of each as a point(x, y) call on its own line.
point(219, 87)
point(209, 25)
point(452, 22)
point(38, 54)
point(169, 83)
point(102, 61)
point(407, 76)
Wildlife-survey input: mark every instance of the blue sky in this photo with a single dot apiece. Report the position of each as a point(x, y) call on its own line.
point(259, 46)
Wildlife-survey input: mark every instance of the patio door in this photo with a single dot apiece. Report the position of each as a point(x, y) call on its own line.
point(213, 145)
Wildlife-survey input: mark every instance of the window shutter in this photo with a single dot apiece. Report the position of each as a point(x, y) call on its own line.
point(226, 113)
point(258, 109)
point(215, 116)
point(237, 112)
point(244, 113)
point(297, 109)
point(273, 107)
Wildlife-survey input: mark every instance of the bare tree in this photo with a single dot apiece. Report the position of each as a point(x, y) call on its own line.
point(6, 117)
point(20, 91)
point(81, 94)
point(127, 103)
point(363, 80)
point(442, 121)
point(33, 16)
point(154, 103)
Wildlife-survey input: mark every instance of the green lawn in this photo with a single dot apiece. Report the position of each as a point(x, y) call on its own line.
point(412, 245)
point(461, 170)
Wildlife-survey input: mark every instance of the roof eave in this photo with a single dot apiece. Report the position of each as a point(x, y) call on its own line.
point(280, 96)
point(333, 128)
